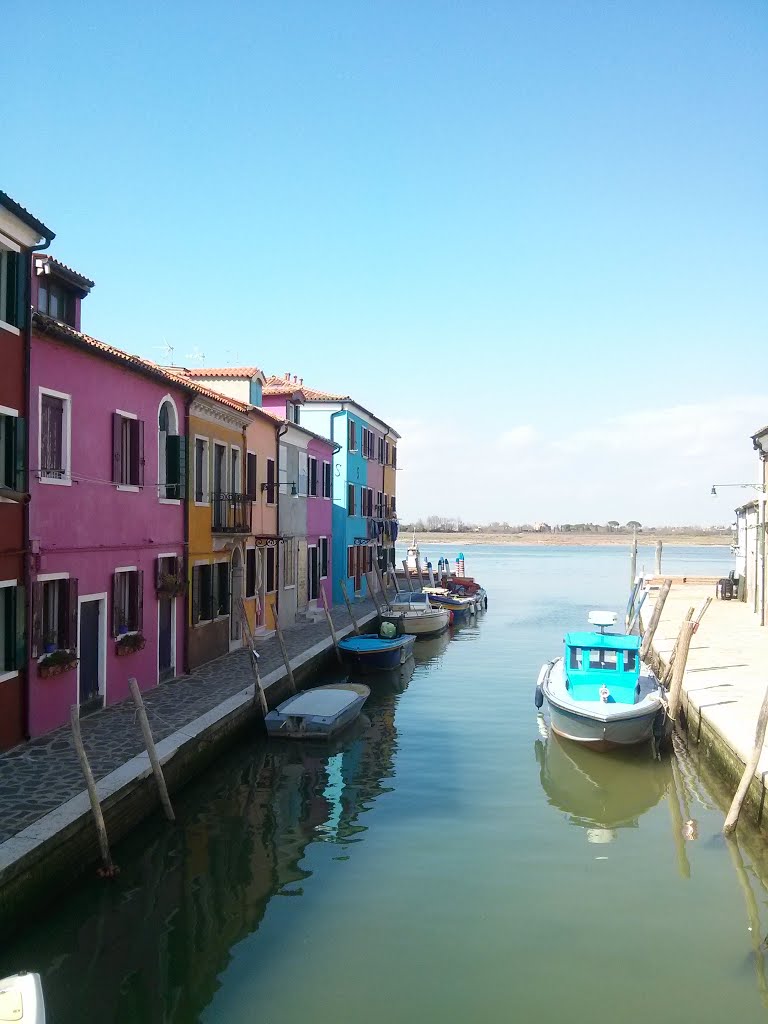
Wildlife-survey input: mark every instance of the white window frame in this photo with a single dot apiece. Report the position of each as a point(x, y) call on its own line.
point(66, 438)
point(124, 570)
point(8, 246)
point(126, 416)
point(162, 469)
point(228, 563)
point(282, 469)
point(14, 415)
point(205, 489)
point(4, 676)
point(49, 577)
point(310, 460)
point(235, 468)
point(320, 542)
point(202, 561)
point(303, 474)
point(330, 480)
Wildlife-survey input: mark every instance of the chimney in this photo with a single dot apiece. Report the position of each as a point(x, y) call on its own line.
point(287, 376)
point(301, 381)
point(294, 378)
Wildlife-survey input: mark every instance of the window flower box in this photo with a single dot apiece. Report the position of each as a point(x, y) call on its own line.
point(56, 663)
point(130, 644)
point(171, 585)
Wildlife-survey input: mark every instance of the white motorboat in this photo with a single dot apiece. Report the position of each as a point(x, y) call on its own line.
point(318, 713)
point(417, 615)
point(21, 999)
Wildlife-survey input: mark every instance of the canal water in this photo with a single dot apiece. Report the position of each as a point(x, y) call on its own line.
point(445, 862)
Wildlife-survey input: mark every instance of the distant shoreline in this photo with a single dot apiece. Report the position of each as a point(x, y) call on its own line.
point(568, 539)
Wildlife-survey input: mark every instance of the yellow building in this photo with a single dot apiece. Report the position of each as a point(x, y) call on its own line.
point(219, 525)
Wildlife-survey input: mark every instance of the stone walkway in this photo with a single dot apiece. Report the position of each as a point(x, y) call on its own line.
point(40, 775)
point(727, 669)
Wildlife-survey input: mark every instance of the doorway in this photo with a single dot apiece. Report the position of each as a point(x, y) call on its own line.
point(91, 652)
point(166, 615)
point(235, 610)
point(314, 572)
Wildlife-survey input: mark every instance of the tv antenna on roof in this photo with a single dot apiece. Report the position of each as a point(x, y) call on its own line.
point(197, 356)
point(168, 349)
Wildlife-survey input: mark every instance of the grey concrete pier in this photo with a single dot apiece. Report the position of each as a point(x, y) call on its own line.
point(47, 834)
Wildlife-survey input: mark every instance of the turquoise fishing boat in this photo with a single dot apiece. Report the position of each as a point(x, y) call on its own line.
point(599, 693)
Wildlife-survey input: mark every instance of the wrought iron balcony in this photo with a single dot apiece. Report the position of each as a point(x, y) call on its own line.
point(230, 513)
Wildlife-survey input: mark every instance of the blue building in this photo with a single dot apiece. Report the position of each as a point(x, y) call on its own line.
point(364, 504)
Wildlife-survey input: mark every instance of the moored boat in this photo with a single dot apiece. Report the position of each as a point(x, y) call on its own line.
point(370, 652)
point(599, 693)
point(415, 614)
point(21, 999)
point(318, 713)
point(444, 598)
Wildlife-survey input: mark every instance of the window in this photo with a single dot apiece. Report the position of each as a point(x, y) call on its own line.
point(202, 593)
point(381, 449)
point(289, 564)
point(350, 499)
point(167, 569)
point(364, 438)
point(54, 616)
point(251, 476)
point(221, 589)
point(201, 470)
point(630, 661)
point(392, 508)
point(379, 505)
point(12, 628)
point(171, 455)
point(327, 480)
point(127, 601)
point(366, 501)
point(351, 561)
point(394, 456)
point(270, 555)
point(12, 436)
point(352, 436)
point(600, 658)
point(303, 474)
point(312, 477)
point(270, 481)
point(323, 557)
point(127, 450)
point(54, 440)
point(250, 572)
point(234, 471)
point(292, 412)
point(12, 287)
point(55, 300)
point(282, 468)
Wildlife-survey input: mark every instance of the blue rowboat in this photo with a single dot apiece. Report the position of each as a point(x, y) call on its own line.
point(370, 652)
point(318, 713)
point(442, 598)
point(600, 694)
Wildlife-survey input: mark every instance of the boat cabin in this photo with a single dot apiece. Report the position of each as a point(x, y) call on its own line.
point(603, 667)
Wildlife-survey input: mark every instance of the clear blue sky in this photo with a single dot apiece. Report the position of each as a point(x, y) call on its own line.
point(555, 209)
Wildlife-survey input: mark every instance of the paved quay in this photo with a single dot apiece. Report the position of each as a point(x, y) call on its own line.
point(42, 776)
point(725, 677)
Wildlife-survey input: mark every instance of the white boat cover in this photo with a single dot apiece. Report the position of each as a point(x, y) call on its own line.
point(322, 702)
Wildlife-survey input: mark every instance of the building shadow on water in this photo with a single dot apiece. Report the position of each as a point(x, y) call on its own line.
point(150, 946)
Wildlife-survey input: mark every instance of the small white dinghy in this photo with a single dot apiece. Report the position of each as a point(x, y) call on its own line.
point(318, 713)
point(21, 999)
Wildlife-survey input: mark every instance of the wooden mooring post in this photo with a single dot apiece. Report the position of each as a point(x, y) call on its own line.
point(382, 583)
point(283, 649)
point(667, 677)
point(253, 655)
point(372, 592)
point(749, 771)
point(149, 743)
point(109, 869)
point(331, 625)
point(407, 575)
point(653, 625)
point(659, 546)
point(681, 657)
point(349, 606)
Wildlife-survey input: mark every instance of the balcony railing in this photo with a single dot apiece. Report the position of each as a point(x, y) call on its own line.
point(231, 513)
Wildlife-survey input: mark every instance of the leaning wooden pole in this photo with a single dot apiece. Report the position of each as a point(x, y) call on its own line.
point(349, 606)
point(653, 625)
point(90, 784)
point(407, 575)
point(372, 592)
point(258, 689)
point(149, 743)
point(749, 771)
point(671, 663)
point(283, 650)
point(681, 657)
point(331, 626)
point(659, 547)
point(382, 583)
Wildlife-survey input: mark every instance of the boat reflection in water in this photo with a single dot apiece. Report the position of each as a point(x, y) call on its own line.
point(152, 946)
point(429, 653)
point(600, 794)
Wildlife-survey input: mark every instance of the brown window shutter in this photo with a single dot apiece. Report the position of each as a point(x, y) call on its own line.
point(116, 604)
point(72, 614)
point(117, 426)
point(139, 621)
point(195, 594)
point(37, 619)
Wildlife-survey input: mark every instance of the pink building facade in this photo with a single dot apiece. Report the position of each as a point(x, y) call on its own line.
point(107, 523)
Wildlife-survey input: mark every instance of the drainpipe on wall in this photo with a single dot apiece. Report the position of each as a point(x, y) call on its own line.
point(27, 574)
point(338, 449)
point(281, 431)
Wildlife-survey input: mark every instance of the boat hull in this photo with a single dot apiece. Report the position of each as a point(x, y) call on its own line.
point(315, 726)
point(376, 654)
point(420, 625)
point(594, 724)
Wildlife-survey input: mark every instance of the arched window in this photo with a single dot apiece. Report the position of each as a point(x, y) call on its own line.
point(171, 469)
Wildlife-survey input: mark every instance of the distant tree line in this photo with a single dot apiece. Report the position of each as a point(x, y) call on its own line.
point(446, 524)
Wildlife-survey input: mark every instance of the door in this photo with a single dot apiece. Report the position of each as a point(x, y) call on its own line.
point(165, 659)
point(88, 652)
point(358, 569)
point(302, 576)
point(314, 573)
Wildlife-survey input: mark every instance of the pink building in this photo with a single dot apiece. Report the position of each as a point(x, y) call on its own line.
point(107, 514)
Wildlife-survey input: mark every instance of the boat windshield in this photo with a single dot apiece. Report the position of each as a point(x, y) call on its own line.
point(596, 662)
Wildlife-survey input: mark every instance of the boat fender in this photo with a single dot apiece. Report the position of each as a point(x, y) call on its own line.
point(605, 694)
point(538, 699)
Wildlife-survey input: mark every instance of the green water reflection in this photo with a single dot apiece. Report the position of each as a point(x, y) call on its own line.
point(446, 860)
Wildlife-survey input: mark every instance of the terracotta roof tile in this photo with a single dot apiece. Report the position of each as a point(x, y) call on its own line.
point(222, 371)
point(25, 216)
point(68, 272)
point(47, 325)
